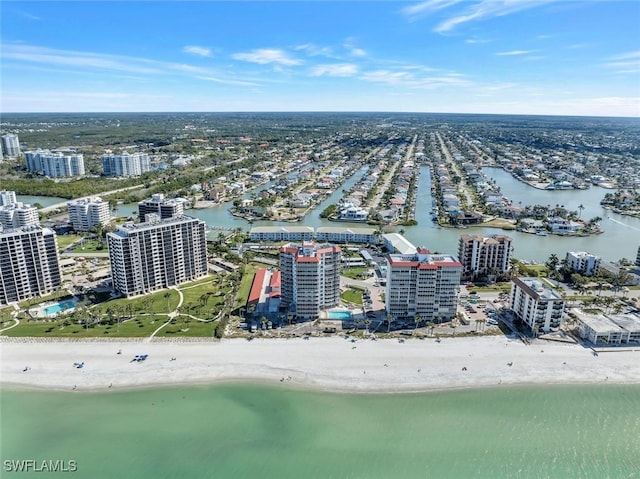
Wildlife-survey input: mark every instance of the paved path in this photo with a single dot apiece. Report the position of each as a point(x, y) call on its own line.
point(171, 315)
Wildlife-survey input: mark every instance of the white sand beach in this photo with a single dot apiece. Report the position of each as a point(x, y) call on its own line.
point(333, 364)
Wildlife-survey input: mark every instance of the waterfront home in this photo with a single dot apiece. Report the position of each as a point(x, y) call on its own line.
point(301, 200)
point(354, 213)
point(560, 225)
point(390, 214)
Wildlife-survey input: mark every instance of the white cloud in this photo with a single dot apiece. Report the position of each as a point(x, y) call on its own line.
point(51, 56)
point(227, 81)
point(264, 56)
point(352, 49)
point(315, 50)
point(386, 76)
point(335, 70)
point(627, 56)
point(196, 50)
point(625, 62)
point(409, 80)
point(514, 53)
point(469, 11)
point(473, 41)
point(429, 6)
point(88, 62)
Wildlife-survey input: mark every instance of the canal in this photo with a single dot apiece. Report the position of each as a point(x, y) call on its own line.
point(621, 236)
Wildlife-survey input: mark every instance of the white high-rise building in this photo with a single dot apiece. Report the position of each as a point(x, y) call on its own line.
point(157, 254)
point(484, 254)
point(10, 145)
point(55, 164)
point(537, 306)
point(583, 262)
point(18, 215)
point(423, 284)
point(126, 164)
point(84, 214)
point(158, 204)
point(7, 198)
point(310, 278)
point(29, 263)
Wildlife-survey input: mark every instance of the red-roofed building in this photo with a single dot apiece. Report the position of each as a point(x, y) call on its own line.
point(274, 284)
point(423, 284)
point(257, 287)
point(310, 278)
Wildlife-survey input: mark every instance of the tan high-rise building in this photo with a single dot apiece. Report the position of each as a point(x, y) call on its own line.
point(156, 254)
point(481, 255)
point(29, 263)
point(536, 305)
point(310, 278)
point(423, 284)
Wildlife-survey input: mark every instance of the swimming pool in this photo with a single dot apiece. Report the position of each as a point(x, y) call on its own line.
point(338, 315)
point(61, 306)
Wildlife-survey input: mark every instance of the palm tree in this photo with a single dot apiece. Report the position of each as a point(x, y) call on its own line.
point(389, 321)
point(580, 207)
point(167, 296)
point(416, 319)
point(552, 265)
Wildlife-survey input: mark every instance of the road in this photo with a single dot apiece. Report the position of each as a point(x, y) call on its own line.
point(383, 188)
point(454, 166)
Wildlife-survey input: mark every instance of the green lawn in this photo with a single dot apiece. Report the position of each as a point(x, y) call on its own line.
point(91, 246)
point(354, 273)
point(185, 326)
point(66, 240)
point(153, 303)
point(498, 223)
point(141, 326)
point(352, 296)
point(139, 316)
point(245, 285)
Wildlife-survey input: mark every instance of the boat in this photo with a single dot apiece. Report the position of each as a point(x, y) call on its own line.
point(541, 233)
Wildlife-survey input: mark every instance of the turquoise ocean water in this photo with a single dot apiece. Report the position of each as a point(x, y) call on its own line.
point(255, 431)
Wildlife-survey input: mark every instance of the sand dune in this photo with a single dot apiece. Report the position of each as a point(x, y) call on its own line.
point(334, 364)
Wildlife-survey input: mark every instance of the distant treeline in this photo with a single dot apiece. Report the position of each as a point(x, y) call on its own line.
point(72, 189)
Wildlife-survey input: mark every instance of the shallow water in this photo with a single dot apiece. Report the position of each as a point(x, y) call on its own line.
point(243, 430)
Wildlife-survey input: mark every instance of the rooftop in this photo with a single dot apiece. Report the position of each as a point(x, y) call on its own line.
point(598, 322)
point(133, 227)
point(400, 243)
point(284, 229)
point(536, 288)
point(629, 322)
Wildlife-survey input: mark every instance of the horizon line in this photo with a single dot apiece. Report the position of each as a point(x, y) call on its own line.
point(309, 111)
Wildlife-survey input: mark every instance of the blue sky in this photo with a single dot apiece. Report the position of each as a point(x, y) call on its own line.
point(472, 56)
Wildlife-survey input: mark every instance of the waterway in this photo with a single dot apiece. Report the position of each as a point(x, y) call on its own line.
point(621, 236)
point(42, 200)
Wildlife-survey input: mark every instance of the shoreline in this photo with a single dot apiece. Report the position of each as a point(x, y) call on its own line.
point(326, 364)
